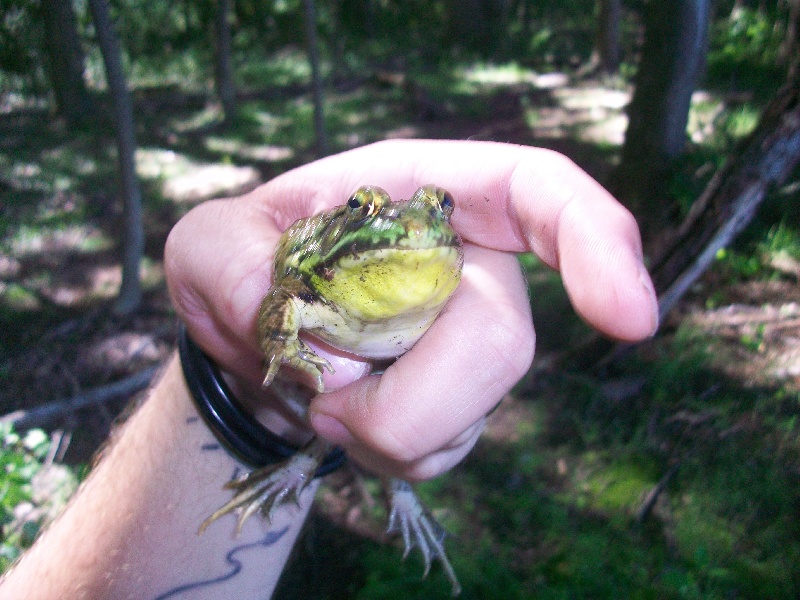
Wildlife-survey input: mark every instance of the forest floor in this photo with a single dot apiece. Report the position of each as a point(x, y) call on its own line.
point(547, 503)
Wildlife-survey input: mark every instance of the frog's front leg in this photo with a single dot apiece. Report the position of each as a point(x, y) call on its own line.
point(279, 322)
point(419, 529)
point(268, 488)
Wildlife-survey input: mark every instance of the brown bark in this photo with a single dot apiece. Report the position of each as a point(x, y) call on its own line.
point(608, 23)
point(133, 239)
point(65, 60)
point(673, 56)
point(226, 89)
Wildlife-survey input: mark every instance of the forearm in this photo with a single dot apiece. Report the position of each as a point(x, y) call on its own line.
point(131, 530)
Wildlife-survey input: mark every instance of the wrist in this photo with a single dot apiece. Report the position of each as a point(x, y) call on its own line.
point(236, 429)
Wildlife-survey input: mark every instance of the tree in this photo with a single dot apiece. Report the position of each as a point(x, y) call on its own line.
point(317, 93)
point(133, 239)
point(608, 23)
point(66, 60)
point(763, 161)
point(673, 56)
point(226, 89)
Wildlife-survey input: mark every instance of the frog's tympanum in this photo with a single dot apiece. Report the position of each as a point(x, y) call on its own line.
point(368, 277)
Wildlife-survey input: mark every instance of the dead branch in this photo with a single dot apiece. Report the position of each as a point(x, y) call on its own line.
point(47, 413)
point(730, 201)
point(652, 496)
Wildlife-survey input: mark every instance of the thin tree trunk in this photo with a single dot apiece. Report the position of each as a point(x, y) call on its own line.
point(133, 239)
point(317, 92)
point(673, 57)
point(66, 60)
point(226, 89)
point(608, 35)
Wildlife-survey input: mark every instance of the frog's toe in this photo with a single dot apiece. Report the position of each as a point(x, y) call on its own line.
point(270, 487)
point(419, 529)
point(297, 355)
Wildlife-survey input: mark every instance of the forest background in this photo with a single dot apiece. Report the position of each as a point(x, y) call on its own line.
point(668, 470)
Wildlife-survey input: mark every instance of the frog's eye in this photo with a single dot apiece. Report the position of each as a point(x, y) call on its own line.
point(354, 202)
point(367, 201)
point(446, 202)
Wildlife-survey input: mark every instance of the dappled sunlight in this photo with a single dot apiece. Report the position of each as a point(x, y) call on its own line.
point(590, 113)
point(715, 120)
point(182, 179)
point(242, 150)
point(754, 345)
point(84, 238)
point(67, 283)
point(403, 132)
point(509, 74)
point(196, 120)
point(116, 351)
point(62, 289)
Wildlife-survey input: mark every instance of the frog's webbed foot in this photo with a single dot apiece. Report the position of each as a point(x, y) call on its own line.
point(272, 486)
point(419, 529)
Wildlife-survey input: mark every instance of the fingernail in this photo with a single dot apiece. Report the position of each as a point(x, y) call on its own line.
point(647, 284)
point(331, 429)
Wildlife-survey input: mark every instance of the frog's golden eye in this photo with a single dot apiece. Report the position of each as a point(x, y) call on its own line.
point(367, 201)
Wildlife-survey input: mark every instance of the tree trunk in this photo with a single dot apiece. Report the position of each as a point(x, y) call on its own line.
point(317, 93)
point(673, 57)
point(226, 89)
point(65, 55)
point(133, 239)
point(608, 23)
point(765, 160)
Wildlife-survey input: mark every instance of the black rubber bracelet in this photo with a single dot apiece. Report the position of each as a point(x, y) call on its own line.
point(236, 429)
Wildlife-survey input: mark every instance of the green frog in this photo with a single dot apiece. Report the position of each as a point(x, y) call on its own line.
point(368, 277)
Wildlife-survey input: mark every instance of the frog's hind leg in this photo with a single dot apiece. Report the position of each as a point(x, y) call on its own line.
point(418, 527)
point(268, 488)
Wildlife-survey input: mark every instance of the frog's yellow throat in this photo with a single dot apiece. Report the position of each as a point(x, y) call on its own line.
point(374, 285)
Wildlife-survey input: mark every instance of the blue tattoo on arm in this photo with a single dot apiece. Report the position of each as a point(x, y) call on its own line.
point(235, 565)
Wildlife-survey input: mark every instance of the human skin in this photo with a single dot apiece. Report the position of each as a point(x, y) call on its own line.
point(130, 532)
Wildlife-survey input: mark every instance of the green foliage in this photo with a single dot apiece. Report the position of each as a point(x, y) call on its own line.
point(18, 29)
point(748, 35)
point(765, 256)
point(32, 489)
point(746, 50)
point(20, 461)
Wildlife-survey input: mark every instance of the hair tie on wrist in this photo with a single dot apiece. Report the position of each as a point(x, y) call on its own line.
point(236, 429)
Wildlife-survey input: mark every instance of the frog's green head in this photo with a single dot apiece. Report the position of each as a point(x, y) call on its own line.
point(376, 259)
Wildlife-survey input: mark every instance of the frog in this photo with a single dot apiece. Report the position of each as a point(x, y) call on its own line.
point(368, 277)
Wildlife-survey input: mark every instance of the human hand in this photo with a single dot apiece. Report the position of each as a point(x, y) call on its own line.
point(426, 411)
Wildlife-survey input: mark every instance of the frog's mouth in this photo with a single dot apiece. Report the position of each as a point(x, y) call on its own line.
point(374, 285)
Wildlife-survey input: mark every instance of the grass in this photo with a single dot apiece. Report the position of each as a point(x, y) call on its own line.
point(552, 514)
